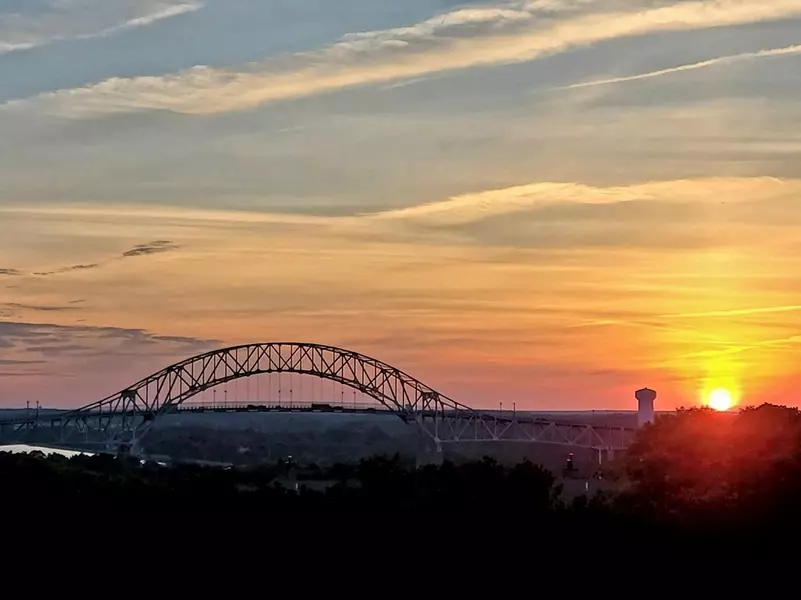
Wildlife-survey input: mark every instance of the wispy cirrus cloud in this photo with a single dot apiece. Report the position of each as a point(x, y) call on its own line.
point(38, 307)
point(544, 215)
point(475, 207)
point(81, 19)
point(152, 248)
point(45, 338)
point(507, 33)
point(69, 269)
point(147, 249)
point(14, 363)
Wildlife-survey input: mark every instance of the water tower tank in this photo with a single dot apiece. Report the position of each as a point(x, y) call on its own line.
point(645, 406)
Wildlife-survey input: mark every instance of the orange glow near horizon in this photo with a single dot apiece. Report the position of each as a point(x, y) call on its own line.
point(554, 327)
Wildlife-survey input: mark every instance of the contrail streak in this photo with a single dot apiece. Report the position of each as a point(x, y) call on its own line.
point(736, 312)
point(680, 69)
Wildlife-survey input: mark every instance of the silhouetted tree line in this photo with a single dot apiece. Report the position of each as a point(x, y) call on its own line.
point(693, 472)
point(382, 482)
point(702, 471)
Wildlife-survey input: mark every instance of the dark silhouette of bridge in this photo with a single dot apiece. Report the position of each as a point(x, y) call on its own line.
point(120, 421)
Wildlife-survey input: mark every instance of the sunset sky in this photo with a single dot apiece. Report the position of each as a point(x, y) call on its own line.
point(551, 202)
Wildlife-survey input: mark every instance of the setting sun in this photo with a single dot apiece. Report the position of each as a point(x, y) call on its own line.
point(720, 399)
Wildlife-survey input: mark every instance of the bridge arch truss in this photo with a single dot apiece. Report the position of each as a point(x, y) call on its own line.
point(126, 416)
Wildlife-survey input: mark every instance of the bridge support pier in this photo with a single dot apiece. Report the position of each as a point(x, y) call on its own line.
point(429, 454)
point(605, 455)
point(125, 449)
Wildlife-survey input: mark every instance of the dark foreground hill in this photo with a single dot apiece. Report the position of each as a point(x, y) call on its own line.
point(692, 474)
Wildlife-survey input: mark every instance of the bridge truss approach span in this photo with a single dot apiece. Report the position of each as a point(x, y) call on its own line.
point(122, 419)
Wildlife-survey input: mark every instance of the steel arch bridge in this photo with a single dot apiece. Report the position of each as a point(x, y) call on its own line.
point(121, 420)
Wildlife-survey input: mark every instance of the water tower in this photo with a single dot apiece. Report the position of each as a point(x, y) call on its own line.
point(645, 406)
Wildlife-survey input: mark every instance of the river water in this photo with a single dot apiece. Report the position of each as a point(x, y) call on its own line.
point(18, 448)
